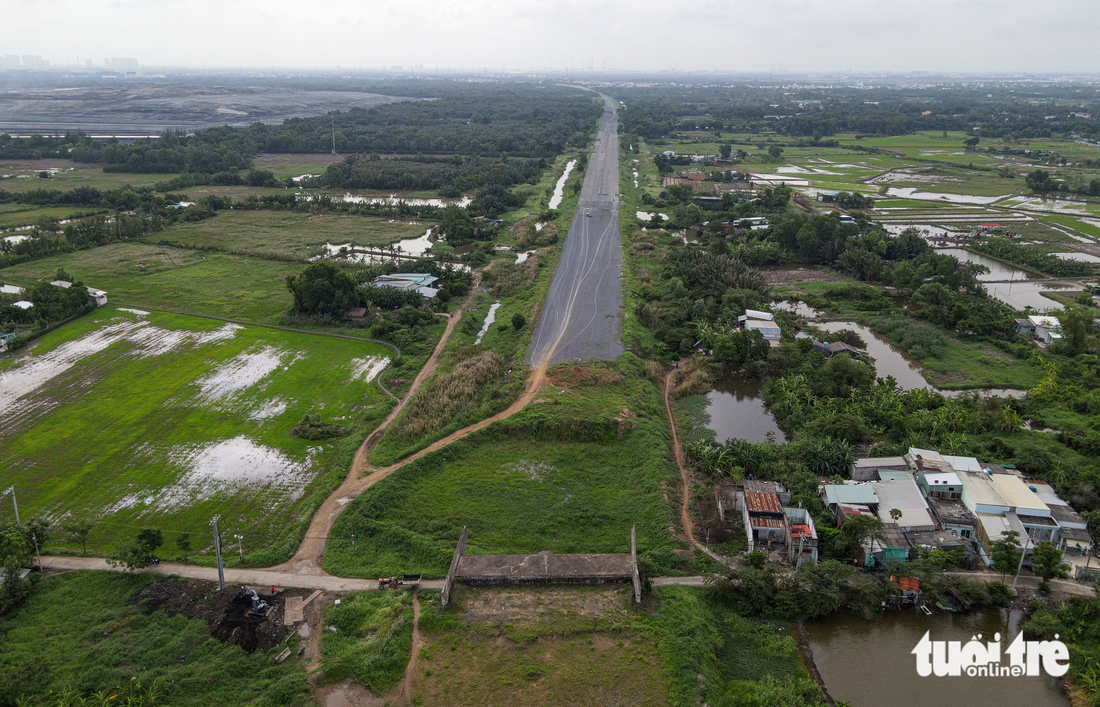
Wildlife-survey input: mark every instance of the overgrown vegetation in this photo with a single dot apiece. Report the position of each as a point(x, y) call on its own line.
point(371, 641)
point(79, 635)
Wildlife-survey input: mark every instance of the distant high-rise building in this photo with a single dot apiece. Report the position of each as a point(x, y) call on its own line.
point(34, 62)
point(11, 61)
point(120, 63)
point(88, 63)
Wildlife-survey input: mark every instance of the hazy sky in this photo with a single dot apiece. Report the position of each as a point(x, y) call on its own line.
point(737, 35)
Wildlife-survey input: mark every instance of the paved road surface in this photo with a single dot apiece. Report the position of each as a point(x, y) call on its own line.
point(580, 318)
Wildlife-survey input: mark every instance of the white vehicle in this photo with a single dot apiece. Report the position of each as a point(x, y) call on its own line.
point(587, 213)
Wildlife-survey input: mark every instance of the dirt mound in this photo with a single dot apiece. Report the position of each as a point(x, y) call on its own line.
point(227, 613)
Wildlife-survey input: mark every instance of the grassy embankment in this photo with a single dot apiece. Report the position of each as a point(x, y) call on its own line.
point(79, 632)
point(190, 418)
point(476, 381)
point(571, 473)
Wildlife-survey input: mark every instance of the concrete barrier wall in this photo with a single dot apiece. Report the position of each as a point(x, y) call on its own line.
point(449, 583)
point(634, 565)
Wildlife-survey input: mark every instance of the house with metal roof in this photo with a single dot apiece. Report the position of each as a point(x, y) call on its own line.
point(409, 281)
point(22, 304)
point(10, 290)
point(903, 495)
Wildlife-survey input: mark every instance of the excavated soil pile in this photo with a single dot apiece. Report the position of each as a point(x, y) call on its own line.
point(227, 613)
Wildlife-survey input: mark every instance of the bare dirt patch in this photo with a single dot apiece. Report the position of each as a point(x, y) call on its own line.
point(573, 376)
point(227, 614)
point(789, 276)
point(498, 606)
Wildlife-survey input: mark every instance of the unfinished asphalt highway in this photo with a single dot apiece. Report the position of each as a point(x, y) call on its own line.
point(580, 318)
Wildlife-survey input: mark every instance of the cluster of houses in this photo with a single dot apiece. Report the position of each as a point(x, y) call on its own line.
point(940, 502)
point(99, 296)
point(1045, 329)
point(771, 525)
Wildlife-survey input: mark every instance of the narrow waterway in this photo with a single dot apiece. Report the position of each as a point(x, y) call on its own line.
point(889, 361)
point(869, 663)
point(736, 410)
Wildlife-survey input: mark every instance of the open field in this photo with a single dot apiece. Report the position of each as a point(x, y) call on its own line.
point(587, 646)
point(549, 646)
point(80, 631)
point(24, 215)
point(190, 418)
point(217, 284)
point(286, 234)
point(65, 175)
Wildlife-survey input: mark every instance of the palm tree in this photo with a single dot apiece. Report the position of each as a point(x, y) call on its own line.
point(895, 514)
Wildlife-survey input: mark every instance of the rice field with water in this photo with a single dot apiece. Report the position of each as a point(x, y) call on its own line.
point(132, 419)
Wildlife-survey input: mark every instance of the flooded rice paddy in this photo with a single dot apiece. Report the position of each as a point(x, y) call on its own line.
point(243, 372)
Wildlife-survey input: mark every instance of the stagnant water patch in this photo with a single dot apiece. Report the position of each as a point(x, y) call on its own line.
point(736, 410)
point(367, 369)
point(559, 188)
point(489, 319)
point(243, 371)
point(223, 469)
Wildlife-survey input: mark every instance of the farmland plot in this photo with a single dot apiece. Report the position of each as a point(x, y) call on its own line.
point(137, 419)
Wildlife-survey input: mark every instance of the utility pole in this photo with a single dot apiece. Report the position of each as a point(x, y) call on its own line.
point(11, 490)
point(1023, 554)
point(218, 552)
point(34, 538)
point(334, 136)
point(240, 548)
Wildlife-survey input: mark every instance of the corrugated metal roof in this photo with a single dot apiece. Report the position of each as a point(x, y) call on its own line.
point(758, 522)
point(763, 503)
point(850, 493)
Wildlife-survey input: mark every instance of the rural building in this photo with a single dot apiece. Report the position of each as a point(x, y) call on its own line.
point(6, 341)
point(903, 495)
point(23, 304)
point(99, 296)
point(408, 281)
point(848, 219)
point(942, 540)
point(846, 500)
point(1024, 327)
point(10, 290)
point(940, 484)
point(801, 537)
point(764, 322)
point(1046, 329)
point(893, 546)
point(867, 468)
point(953, 515)
point(827, 197)
point(828, 349)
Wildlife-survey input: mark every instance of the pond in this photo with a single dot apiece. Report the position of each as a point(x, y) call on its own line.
point(1019, 293)
point(869, 663)
point(736, 411)
point(914, 193)
point(889, 361)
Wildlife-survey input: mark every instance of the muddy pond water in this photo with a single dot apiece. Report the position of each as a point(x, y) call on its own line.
point(736, 409)
point(1019, 292)
point(869, 663)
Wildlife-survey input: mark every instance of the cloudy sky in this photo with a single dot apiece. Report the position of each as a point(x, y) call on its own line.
point(736, 35)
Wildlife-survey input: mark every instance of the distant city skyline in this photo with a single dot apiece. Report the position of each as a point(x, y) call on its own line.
point(799, 36)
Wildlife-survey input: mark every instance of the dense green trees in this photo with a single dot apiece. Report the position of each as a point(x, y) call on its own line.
point(323, 289)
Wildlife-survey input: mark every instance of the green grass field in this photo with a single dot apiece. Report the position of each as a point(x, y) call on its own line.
point(165, 420)
point(70, 176)
point(25, 215)
point(286, 234)
point(79, 632)
point(222, 285)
